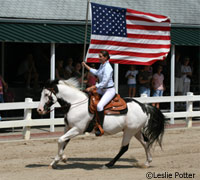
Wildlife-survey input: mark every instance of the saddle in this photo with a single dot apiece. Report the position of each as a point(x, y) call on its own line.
point(116, 106)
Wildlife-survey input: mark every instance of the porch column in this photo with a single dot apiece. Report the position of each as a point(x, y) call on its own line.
point(52, 77)
point(172, 80)
point(116, 79)
point(2, 58)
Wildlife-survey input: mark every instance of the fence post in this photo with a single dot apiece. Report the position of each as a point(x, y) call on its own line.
point(27, 116)
point(189, 109)
point(143, 95)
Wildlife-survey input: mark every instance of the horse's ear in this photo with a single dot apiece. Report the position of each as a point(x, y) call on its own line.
point(51, 83)
point(55, 88)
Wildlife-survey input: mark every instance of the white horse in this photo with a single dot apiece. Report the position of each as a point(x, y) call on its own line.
point(143, 121)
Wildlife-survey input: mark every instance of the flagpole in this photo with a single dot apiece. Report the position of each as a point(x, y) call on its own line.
point(85, 41)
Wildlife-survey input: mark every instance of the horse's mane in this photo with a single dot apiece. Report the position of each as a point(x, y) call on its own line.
point(72, 82)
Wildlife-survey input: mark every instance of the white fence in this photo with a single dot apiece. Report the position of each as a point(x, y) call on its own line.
point(27, 122)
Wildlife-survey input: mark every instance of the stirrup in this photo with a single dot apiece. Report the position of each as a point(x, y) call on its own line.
point(99, 131)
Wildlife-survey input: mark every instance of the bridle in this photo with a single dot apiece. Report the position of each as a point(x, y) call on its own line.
point(50, 102)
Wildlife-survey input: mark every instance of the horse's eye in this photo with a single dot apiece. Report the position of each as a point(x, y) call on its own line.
point(46, 95)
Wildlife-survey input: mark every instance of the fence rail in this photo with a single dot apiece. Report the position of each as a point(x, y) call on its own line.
point(27, 122)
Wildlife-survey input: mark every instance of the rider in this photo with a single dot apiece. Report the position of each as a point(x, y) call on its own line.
point(105, 87)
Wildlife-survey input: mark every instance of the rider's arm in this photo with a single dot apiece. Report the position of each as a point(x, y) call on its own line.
point(107, 75)
point(93, 71)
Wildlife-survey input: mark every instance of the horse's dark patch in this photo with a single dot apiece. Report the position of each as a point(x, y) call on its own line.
point(64, 105)
point(91, 125)
point(48, 104)
point(52, 84)
point(143, 106)
point(145, 138)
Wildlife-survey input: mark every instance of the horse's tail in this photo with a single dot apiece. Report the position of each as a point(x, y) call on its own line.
point(154, 130)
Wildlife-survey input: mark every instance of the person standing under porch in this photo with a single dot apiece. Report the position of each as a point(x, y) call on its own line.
point(131, 75)
point(157, 84)
point(186, 75)
point(3, 86)
point(144, 78)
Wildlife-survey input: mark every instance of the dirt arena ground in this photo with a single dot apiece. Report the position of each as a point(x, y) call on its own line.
point(29, 160)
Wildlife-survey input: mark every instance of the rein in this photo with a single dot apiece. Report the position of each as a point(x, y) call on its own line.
point(73, 104)
point(79, 103)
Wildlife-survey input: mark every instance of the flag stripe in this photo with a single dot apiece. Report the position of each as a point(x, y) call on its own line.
point(125, 58)
point(138, 31)
point(147, 14)
point(145, 23)
point(130, 17)
point(96, 60)
point(136, 54)
point(130, 26)
point(124, 61)
point(132, 40)
point(148, 18)
point(127, 48)
point(144, 36)
point(133, 62)
point(128, 44)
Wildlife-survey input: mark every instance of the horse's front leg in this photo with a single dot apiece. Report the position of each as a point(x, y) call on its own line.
point(62, 142)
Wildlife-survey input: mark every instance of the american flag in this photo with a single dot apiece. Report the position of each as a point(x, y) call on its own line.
point(130, 36)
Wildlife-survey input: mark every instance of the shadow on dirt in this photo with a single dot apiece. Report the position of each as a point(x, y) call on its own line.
point(88, 164)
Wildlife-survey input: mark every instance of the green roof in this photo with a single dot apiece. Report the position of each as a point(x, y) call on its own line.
point(43, 33)
point(74, 34)
point(185, 36)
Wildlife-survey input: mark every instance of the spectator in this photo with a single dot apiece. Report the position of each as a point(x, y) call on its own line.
point(186, 75)
point(131, 75)
point(27, 71)
point(157, 84)
point(69, 68)
point(144, 78)
point(77, 71)
point(60, 71)
point(3, 87)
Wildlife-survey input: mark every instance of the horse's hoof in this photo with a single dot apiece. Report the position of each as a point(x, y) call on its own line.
point(104, 167)
point(52, 166)
point(146, 165)
point(64, 159)
point(108, 165)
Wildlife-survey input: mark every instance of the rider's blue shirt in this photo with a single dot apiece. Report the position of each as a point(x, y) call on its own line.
point(105, 75)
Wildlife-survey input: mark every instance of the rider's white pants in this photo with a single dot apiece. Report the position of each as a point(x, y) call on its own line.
point(108, 95)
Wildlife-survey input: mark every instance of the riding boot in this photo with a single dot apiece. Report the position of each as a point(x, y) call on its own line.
point(100, 120)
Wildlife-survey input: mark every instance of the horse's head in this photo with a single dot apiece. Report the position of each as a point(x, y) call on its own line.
point(48, 97)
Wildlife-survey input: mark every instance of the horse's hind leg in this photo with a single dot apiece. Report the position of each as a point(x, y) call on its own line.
point(125, 144)
point(139, 136)
point(62, 142)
